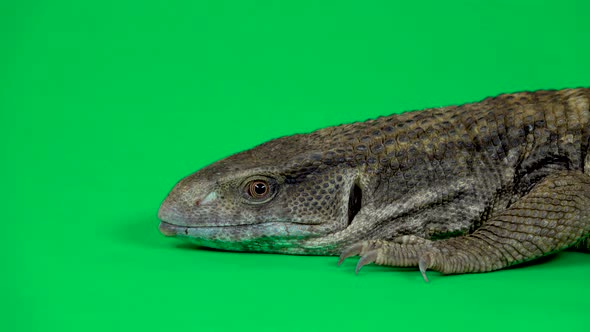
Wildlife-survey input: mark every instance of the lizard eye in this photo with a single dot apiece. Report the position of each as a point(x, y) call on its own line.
point(258, 189)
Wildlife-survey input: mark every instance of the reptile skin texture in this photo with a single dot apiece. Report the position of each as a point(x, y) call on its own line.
point(458, 189)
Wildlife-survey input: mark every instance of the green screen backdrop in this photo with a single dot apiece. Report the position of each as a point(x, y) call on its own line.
point(104, 105)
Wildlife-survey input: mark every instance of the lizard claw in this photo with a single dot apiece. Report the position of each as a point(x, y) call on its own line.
point(350, 251)
point(368, 258)
point(423, 265)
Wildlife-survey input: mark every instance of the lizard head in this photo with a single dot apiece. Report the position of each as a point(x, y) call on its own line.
point(282, 196)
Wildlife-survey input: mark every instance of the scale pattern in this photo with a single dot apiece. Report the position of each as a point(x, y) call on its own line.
point(468, 188)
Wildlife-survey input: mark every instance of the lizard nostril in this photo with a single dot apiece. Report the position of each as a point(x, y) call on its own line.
point(198, 202)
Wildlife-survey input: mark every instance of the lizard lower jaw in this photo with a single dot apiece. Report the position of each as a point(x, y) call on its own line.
point(170, 229)
point(275, 237)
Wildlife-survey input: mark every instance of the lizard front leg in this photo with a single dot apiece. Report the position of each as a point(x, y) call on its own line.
point(554, 215)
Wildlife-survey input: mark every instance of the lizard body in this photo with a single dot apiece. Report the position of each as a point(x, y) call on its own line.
point(458, 189)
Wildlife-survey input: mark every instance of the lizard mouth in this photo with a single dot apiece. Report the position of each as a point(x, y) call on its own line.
point(236, 232)
point(171, 229)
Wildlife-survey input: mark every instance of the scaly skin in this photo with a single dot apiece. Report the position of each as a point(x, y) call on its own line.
point(458, 189)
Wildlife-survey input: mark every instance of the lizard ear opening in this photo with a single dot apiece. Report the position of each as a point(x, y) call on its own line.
point(354, 201)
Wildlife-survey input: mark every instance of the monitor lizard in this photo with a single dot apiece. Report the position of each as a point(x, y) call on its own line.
point(458, 189)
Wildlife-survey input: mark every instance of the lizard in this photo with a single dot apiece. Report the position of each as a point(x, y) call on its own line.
point(458, 189)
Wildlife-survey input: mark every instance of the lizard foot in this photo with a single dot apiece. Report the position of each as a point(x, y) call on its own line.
point(392, 254)
point(364, 249)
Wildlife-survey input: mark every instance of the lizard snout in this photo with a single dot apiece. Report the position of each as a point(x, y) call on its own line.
point(167, 229)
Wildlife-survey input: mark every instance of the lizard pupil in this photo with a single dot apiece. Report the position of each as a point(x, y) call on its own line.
point(258, 189)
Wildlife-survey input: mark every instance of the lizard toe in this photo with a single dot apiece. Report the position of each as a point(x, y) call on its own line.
point(423, 264)
point(360, 249)
point(353, 250)
point(368, 258)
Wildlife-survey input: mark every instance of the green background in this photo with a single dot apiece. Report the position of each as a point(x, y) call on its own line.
point(104, 105)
